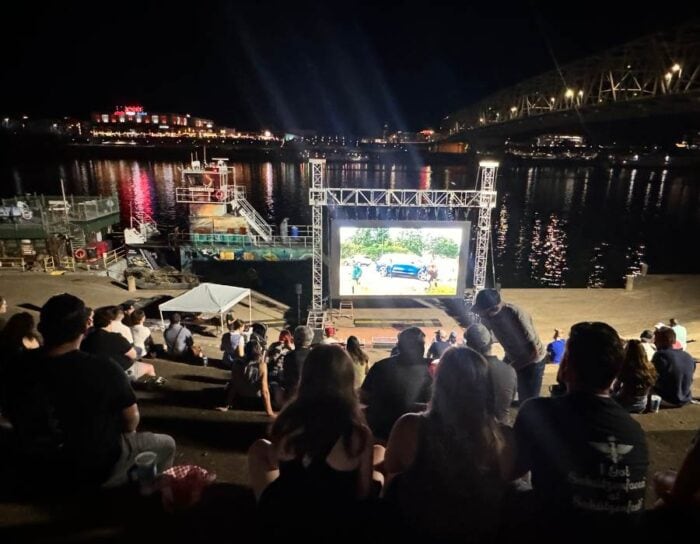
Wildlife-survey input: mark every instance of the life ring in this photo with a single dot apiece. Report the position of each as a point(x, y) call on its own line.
point(219, 194)
point(80, 254)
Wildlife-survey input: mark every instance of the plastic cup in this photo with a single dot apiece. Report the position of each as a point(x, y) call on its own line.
point(146, 469)
point(655, 403)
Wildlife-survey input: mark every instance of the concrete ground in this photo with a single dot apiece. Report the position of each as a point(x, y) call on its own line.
point(218, 441)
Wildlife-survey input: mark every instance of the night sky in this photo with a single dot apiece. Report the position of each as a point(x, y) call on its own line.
point(344, 67)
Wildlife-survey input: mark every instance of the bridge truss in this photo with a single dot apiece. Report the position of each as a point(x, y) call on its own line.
point(319, 196)
point(657, 66)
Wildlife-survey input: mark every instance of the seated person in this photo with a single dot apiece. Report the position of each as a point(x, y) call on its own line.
point(74, 413)
point(447, 468)
point(102, 341)
point(675, 370)
point(178, 338)
point(631, 388)
point(587, 456)
point(249, 386)
point(555, 349)
point(318, 461)
point(232, 343)
point(143, 340)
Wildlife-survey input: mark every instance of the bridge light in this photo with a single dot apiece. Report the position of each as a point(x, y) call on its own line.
point(676, 68)
point(580, 93)
point(513, 109)
point(569, 93)
point(629, 66)
point(482, 120)
point(668, 76)
point(552, 100)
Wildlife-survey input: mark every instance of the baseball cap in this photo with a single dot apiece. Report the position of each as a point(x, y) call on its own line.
point(478, 337)
point(485, 299)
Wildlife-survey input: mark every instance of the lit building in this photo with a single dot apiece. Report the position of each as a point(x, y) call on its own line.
point(134, 121)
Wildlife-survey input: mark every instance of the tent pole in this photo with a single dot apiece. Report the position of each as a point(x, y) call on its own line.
point(221, 320)
point(250, 309)
point(162, 321)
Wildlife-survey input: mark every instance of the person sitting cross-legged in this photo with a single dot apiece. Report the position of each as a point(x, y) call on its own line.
point(74, 413)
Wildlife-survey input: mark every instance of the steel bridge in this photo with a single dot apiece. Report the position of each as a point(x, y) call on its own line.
point(657, 74)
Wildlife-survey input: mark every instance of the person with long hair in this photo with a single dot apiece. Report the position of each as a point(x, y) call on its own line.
point(249, 386)
point(275, 365)
point(447, 468)
point(633, 384)
point(19, 334)
point(318, 460)
point(360, 360)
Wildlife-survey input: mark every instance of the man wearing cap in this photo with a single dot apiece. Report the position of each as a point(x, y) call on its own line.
point(396, 384)
point(439, 345)
point(75, 414)
point(503, 376)
point(515, 331)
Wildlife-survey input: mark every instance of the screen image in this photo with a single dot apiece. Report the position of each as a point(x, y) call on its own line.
point(405, 260)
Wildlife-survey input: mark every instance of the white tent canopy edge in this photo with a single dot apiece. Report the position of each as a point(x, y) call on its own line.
point(208, 298)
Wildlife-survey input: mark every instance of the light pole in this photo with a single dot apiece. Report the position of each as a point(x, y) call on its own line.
point(297, 289)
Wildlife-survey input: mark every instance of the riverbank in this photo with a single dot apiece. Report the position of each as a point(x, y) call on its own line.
point(219, 441)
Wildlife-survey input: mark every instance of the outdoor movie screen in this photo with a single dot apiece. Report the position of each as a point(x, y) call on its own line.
point(414, 258)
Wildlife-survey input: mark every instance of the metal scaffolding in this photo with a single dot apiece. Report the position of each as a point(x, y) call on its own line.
point(317, 199)
point(487, 173)
point(320, 196)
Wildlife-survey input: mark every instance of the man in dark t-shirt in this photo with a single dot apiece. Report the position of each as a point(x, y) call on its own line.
point(503, 377)
point(587, 456)
point(74, 413)
point(102, 341)
point(394, 385)
point(675, 369)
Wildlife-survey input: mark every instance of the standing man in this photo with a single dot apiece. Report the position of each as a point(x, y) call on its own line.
point(515, 331)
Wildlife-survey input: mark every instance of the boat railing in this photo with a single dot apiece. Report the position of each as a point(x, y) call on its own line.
point(240, 240)
point(205, 195)
point(113, 256)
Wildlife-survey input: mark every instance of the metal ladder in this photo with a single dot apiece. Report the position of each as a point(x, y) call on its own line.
point(250, 214)
point(316, 319)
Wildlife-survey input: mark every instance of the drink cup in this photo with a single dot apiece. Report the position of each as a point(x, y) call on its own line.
point(655, 403)
point(146, 469)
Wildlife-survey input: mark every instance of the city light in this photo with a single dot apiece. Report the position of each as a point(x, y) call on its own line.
point(513, 109)
point(569, 93)
point(676, 68)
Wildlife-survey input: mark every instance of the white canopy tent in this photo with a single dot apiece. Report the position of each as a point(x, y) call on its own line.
point(210, 298)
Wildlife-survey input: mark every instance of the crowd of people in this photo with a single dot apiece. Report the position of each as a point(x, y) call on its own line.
point(422, 445)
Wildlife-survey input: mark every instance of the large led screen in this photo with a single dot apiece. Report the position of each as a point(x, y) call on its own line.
point(402, 258)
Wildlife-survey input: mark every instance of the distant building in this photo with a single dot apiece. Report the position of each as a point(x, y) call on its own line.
point(134, 121)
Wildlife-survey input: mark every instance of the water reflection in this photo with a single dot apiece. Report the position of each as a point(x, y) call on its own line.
point(553, 226)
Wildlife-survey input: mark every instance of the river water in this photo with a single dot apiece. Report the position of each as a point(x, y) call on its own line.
point(555, 226)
